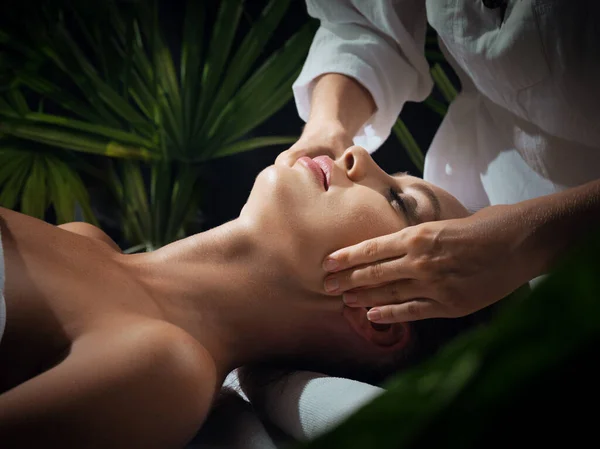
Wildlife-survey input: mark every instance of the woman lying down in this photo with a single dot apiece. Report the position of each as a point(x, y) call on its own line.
point(102, 349)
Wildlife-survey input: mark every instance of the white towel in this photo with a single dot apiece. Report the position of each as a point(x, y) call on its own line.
point(305, 404)
point(234, 424)
point(300, 406)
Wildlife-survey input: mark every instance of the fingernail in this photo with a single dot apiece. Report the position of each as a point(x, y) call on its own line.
point(374, 315)
point(349, 298)
point(331, 285)
point(330, 265)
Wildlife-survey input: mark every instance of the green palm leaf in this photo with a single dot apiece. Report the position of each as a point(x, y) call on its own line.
point(410, 144)
point(251, 144)
point(13, 173)
point(137, 205)
point(7, 110)
point(267, 90)
point(129, 103)
point(191, 60)
point(32, 182)
point(59, 96)
point(181, 200)
point(18, 101)
point(443, 83)
point(98, 130)
point(247, 53)
point(73, 141)
point(436, 106)
point(218, 51)
point(109, 96)
point(33, 200)
point(516, 367)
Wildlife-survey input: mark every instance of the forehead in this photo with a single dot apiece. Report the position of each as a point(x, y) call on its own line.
point(449, 206)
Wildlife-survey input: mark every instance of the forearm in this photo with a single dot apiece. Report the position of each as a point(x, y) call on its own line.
point(551, 224)
point(340, 105)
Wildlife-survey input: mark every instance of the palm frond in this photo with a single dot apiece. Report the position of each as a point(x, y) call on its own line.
point(32, 182)
point(219, 48)
point(129, 102)
point(443, 83)
point(253, 143)
point(410, 144)
point(265, 92)
point(247, 53)
point(58, 137)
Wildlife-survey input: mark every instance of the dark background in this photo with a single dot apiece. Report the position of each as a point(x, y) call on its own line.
point(229, 180)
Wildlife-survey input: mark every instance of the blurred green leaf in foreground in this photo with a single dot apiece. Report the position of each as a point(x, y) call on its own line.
point(528, 379)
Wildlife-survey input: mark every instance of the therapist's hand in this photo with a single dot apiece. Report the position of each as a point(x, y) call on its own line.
point(324, 139)
point(447, 268)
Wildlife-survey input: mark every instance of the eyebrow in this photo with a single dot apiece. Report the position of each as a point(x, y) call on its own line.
point(432, 197)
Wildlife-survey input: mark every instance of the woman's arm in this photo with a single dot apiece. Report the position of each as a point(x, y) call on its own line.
point(547, 226)
point(366, 60)
point(340, 106)
point(150, 387)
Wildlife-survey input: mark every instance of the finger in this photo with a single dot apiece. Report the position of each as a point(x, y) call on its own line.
point(412, 310)
point(392, 293)
point(377, 273)
point(289, 157)
point(384, 247)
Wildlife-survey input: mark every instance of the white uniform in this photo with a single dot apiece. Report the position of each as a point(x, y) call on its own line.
point(527, 121)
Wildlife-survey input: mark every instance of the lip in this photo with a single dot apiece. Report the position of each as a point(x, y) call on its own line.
point(326, 165)
point(315, 169)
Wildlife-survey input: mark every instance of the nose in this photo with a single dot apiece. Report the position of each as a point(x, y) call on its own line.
point(355, 161)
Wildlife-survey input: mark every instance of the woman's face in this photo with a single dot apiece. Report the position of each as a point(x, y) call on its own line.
point(304, 212)
point(320, 205)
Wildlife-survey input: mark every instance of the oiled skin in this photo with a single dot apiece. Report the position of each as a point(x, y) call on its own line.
point(87, 360)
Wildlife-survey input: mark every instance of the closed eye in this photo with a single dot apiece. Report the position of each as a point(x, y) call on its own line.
point(395, 198)
point(402, 207)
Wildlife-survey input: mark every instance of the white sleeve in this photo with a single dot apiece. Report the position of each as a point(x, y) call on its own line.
point(380, 43)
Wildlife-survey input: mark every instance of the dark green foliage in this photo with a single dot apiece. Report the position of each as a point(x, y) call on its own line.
point(529, 378)
point(117, 91)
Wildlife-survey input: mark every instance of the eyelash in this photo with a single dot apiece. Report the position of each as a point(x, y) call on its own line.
point(395, 196)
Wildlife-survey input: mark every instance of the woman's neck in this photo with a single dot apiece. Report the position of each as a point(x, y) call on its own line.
point(235, 290)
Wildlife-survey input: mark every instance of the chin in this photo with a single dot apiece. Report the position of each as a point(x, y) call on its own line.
point(269, 175)
point(275, 203)
point(274, 184)
point(265, 187)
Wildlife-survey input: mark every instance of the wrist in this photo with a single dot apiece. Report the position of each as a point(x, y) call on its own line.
point(511, 227)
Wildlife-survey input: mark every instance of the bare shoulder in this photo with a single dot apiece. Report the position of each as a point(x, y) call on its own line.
point(91, 231)
point(148, 384)
point(174, 375)
point(166, 341)
point(170, 353)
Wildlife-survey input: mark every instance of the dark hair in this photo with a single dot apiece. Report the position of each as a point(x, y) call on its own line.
point(427, 337)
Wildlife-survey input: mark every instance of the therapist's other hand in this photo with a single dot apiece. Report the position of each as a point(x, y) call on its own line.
point(438, 269)
point(326, 139)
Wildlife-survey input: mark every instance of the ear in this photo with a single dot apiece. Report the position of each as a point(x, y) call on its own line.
point(389, 337)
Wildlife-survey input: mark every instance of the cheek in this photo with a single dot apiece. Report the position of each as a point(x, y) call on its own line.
point(358, 221)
